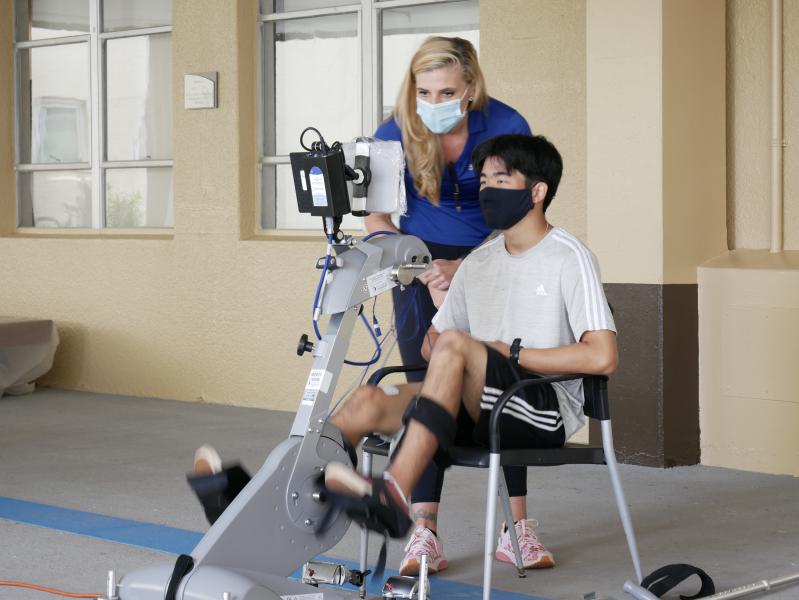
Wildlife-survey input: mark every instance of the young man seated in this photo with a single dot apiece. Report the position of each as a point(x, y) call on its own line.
point(531, 300)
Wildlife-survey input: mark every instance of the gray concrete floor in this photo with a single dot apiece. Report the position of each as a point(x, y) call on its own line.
point(127, 457)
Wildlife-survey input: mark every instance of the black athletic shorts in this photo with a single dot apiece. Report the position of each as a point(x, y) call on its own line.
point(531, 419)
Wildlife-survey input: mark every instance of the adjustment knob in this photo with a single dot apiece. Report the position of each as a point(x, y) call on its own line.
point(304, 345)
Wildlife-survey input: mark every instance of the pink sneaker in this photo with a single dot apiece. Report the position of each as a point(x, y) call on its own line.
point(423, 542)
point(534, 555)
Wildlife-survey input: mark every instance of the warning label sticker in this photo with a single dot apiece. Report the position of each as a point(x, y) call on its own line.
point(319, 380)
point(318, 191)
point(380, 282)
point(309, 397)
point(304, 597)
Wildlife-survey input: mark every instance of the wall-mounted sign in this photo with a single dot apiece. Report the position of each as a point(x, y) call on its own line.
point(200, 90)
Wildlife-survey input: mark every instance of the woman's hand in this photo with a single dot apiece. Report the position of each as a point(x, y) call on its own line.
point(440, 275)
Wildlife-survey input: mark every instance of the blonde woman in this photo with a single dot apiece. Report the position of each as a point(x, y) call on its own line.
point(443, 111)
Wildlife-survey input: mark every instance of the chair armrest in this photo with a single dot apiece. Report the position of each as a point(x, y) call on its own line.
point(378, 375)
point(499, 405)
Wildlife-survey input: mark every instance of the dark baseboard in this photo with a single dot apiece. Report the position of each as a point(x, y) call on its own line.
point(654, 394)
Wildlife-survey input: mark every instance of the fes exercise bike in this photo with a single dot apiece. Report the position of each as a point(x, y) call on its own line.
point(281, 520)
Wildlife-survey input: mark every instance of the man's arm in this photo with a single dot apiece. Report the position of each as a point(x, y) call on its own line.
point(427, 347)
point(594, 354)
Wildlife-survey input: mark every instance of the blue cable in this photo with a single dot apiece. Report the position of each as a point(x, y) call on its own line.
point(415, 306)
point(371, 235)
point(366, 370)
point(393, 314)
point(421, 318)
point(375, 356)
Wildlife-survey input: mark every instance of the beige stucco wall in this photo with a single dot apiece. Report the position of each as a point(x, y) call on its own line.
point(694, 137)
point(624, 50)
point(749, 349)
point(749, 123)
point(656, 147)
point(533, 55)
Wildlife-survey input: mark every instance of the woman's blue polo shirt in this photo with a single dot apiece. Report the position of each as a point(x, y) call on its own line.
point(443, 224)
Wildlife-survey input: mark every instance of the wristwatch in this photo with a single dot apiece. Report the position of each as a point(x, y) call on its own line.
point(514, 350)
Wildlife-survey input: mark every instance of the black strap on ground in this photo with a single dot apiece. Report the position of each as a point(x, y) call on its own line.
point(668, 577)
point(381, 560)
point(183, 565)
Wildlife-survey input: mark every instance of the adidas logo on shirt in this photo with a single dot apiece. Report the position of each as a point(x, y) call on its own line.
point(540, 291)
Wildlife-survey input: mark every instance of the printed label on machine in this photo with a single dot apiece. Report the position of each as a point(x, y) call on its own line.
point(380, 282)
point(304, 597)
point(309, 397)
point(319, 380)
point(318, 192)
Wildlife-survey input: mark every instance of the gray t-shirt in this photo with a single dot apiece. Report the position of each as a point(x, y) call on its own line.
point(548, 296)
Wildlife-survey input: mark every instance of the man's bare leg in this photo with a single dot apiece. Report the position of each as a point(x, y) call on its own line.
point(456, 374)
point(370, 410)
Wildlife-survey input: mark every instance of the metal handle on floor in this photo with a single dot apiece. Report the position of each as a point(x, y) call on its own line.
point(760, 586)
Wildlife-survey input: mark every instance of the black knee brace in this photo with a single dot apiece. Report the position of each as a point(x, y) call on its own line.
point(438, 421)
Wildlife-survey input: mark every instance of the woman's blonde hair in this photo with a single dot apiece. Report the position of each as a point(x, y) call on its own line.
point(422, 147)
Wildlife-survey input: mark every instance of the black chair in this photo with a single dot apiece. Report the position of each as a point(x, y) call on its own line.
point(493, 458)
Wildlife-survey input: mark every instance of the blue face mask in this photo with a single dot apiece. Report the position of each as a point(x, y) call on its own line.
point(440, 118)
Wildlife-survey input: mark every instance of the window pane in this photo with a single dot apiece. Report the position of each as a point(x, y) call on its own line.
point(139, 97)
point(281, 204)
point(55, 199)
point(42, 19)
point(404, 30)
point(119, 15)
point(279, 6)
point(139, 197)
point(54, 104)
point(316, 80)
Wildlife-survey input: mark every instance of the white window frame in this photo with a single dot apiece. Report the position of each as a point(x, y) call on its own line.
point(370, 37)
point(97, 98)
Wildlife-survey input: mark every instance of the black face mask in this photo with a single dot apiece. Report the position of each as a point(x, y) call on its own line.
point(503, 208)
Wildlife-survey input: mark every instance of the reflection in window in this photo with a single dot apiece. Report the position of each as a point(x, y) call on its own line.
point(62, 128)
point(55, 104)
point(139, 97)
point(55, 199)
point(317, 76)
point(138, 197)
point(43, 19)
point(279, 6)
point(121, 15)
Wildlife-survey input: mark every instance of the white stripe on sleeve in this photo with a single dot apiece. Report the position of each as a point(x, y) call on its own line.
point(590, 279)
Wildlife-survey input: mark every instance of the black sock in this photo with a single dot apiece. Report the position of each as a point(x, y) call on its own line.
point(433, 531)
point(506, 525)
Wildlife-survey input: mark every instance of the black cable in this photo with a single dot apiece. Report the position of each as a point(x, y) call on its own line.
point(319, 146)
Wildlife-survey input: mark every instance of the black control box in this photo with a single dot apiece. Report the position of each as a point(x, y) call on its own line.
point(320, 183)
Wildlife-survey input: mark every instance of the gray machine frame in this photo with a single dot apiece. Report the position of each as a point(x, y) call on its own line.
point(274, 526)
